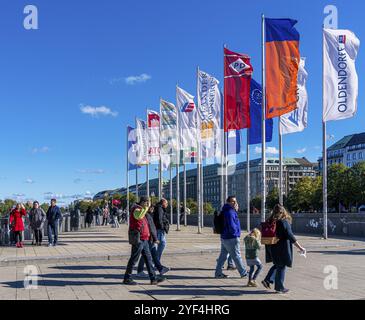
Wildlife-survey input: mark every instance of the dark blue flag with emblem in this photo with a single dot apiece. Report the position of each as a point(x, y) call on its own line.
point(255, 131)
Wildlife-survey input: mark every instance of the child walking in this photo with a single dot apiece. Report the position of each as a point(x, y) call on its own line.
point(252, 249)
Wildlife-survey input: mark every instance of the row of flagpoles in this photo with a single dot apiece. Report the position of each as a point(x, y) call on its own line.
point(191, 133)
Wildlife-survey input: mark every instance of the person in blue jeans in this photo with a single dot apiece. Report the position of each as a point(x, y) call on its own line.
point(53, 217)
point(162, 224)
point(281, 253)
point(230, 239)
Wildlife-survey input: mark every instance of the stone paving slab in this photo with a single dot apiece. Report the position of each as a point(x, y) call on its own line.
point(106, 243)
point(191, 278)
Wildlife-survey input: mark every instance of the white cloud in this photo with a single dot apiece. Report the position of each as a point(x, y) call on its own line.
point(96, 111)
point(29, 180)
point(131, 80)
point(269, 150)
point(91, 171)
point(302, 150)
point(40, 150)
point(18, 195)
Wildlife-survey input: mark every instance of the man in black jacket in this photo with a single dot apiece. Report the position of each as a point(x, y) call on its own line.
point(53, 217)
point(162, 225)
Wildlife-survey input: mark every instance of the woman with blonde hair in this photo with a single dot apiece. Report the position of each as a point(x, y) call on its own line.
point(280, 253)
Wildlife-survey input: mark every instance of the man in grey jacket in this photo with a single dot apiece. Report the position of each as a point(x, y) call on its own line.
point(37, 217)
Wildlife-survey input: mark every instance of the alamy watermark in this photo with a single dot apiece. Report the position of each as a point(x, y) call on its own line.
point(330, 282)
point(31, 19)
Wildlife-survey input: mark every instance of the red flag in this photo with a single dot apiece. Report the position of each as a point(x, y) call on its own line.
point(237, 79)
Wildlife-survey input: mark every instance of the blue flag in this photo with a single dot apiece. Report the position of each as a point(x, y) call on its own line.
point(132, 149)
point(255, 130)
point(234, 142)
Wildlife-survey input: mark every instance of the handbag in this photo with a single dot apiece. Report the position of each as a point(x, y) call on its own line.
point(134, 236)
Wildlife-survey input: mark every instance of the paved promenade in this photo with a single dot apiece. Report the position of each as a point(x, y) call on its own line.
point(90, 265)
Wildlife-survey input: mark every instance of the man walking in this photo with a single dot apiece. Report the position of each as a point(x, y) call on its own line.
point(53, 217)
point(162, 224)
point(230, 239)
point(138, 222)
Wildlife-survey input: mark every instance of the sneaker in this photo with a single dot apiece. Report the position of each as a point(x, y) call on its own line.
point(244, 275)
point(141, 275)
point(157, 280)
point(50, 245)
point(231, 268)
point(249, 283)
point(129, 282)
point(55, 244)
point(266, 284)
point(282, 291)
point(253, 283)
point(221, 276)
point(164, 270)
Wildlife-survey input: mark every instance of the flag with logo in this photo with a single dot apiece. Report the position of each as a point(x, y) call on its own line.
point(282, 64)
point(142, 148)
point(237, 78)
point(296, 120)
point(168, 134)
point(340, 77)
point(255, 130)
point(187, 125)
point(153, 124)
point(132, 148)
point(209, 111)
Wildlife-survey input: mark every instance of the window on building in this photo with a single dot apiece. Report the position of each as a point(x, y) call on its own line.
point(360, 155)
point(348, 156)
point(354, 156)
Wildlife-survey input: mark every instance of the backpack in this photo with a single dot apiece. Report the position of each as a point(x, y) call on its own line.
point(218, 222)
point(268, 232)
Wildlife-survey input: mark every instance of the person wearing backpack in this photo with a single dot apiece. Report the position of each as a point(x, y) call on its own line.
point(280, 252)
point(139, 234)
point(227, 224)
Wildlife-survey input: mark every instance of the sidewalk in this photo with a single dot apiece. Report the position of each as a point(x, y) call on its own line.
point(106, 243)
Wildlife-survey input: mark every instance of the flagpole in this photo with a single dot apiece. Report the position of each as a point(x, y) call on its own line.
point(171, 197)
point(202, 191)
point(263, 151)
point(280, 165)
point(127, 208)
point(198, 168)
point(184, 195)
point(248, 180)
point(137, 195)
point(324, 152)
point(178, 178)
point(148, 163)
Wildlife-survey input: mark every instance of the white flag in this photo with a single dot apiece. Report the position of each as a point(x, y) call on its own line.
point(168, 134)
point(142, 152)
point(187, 124)
point(340, 77)
point(153, 125)
point(296, 120)
point(209, 111)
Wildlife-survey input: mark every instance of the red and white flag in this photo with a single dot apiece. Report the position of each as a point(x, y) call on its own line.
point(153, 124)
point(237, 78)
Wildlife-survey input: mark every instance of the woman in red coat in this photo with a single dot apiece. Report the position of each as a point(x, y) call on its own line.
point(17, 224)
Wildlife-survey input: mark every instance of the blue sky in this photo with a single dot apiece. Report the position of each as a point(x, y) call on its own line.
point(84, 51)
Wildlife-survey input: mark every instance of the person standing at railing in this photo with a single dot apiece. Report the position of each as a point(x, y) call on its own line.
point(37, 218)
point(17, 224)
point(53, 216)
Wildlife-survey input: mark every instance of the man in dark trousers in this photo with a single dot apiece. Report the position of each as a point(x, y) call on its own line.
point(138, 222)
point(53, 217)
point(162, 225)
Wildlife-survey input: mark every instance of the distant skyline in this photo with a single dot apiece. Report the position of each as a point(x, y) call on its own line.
point(69, 89)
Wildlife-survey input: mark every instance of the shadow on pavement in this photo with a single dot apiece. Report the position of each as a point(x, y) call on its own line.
point(58, 283)
point(355, 252)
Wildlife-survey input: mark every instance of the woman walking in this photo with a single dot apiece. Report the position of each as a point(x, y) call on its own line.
point(17, 224)
point(105, 215)
point(37, 218)
point(281, 253)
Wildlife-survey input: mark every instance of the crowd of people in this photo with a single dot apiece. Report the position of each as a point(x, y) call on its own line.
point(149, 225)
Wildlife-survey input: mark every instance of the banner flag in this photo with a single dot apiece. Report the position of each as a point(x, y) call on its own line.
point(340, 77)
point(188, 125)
point(209, 111)
point(142, 152)
point(132, 149)
point(153, 124)
point(281, 63)
point(168, 134)
point(234, 142)
point(237, 78)
point(255, 131)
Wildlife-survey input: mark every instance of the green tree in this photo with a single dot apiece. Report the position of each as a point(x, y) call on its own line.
point(301, 196)
point(338, 185)
point(272, 198)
